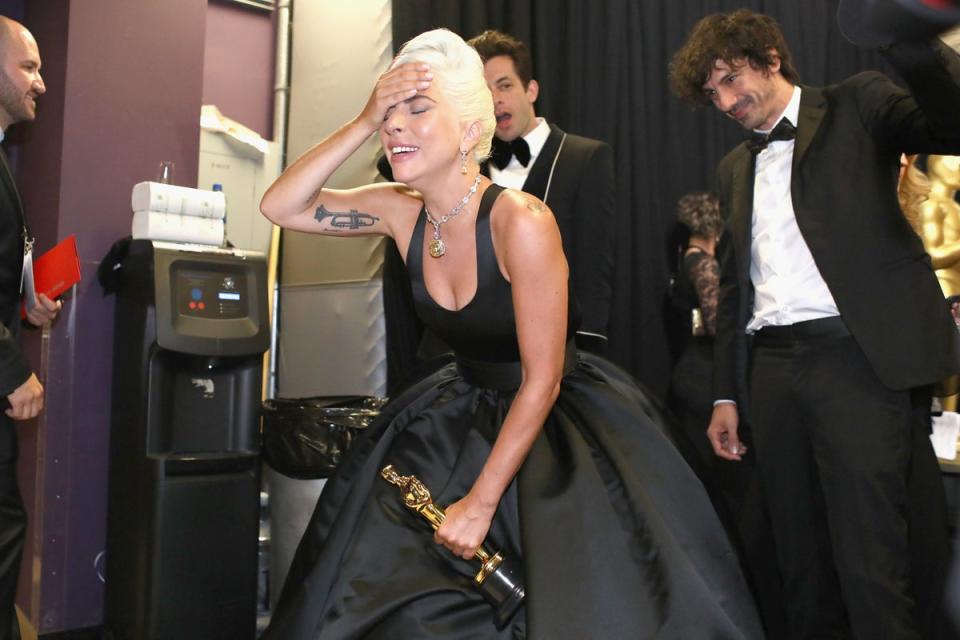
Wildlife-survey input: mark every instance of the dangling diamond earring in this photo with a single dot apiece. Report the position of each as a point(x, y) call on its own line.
point(463, 161)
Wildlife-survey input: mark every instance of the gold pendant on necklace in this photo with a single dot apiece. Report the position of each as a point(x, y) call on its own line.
point(437, 248)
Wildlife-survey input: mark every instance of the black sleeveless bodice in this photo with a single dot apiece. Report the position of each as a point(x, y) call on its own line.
point(484, 329)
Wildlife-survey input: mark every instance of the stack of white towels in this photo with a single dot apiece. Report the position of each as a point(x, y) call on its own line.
point(178, 214)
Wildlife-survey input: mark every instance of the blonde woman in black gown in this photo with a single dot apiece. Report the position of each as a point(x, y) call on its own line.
point(555, 458)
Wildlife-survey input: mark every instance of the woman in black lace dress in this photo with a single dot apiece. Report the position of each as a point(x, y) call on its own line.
point(733, 485)
point(691, 384)
point(557, 459)
point(696, 292)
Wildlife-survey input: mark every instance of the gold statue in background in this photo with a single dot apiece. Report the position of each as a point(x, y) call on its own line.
point(939, 221)
point(929, 206)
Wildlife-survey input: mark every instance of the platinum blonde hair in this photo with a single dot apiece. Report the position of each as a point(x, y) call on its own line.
point(460, 71)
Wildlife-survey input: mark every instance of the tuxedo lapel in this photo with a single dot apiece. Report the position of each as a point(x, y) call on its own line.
point(812, 110)
point(6, 177)
point(741, 206)
point(539, 176)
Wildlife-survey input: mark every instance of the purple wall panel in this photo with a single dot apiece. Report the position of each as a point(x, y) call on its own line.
point(125, 81)
point(134, 101)
point(37, 149)
point(238, 65)
point(124, 85)
point(76, 454)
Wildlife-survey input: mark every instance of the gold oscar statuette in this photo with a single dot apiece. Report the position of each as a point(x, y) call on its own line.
point(499, 581)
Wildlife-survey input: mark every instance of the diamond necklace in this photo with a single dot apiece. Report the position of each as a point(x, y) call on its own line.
point(437, 246)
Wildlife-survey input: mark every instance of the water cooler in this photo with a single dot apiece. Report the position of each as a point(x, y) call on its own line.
point(183, 512)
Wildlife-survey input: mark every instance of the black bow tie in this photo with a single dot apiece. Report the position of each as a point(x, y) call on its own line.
point(503, 151)
point(783, 131)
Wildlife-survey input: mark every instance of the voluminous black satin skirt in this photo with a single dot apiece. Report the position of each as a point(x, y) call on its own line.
point(616, 535)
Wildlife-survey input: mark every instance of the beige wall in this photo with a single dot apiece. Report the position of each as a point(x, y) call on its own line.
point(339, 50)
point(332, 336)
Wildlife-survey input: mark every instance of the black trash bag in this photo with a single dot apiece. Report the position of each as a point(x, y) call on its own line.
point(305, 438)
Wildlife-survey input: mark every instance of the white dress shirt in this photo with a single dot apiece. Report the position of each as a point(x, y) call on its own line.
point(787, 284)
point(515, 174)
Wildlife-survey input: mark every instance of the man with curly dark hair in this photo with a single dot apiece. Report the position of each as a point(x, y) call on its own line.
point(741, 36)
point(838, 392)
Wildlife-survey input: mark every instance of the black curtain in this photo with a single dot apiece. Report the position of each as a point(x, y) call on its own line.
point(602, 69)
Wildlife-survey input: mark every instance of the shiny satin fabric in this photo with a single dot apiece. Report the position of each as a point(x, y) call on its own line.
point(616, 535)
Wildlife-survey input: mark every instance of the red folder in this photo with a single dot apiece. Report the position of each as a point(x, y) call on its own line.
point(56, 271)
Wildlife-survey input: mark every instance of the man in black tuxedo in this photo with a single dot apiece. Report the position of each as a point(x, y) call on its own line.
point(20, 85)
point(573, 175)
point(815, 248)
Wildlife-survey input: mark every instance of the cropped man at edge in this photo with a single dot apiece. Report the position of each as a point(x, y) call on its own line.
point(20, 85)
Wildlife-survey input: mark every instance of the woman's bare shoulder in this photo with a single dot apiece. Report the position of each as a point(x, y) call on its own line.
point(516, 211)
